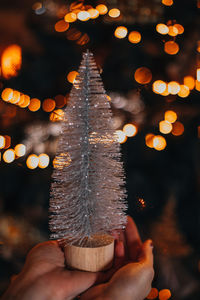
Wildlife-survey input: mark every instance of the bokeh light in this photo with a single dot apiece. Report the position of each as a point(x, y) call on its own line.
point(171, 47)
point(164, 294)
point(102, 9)
point(32, 161)
point(180, 28)
point(173, 87)
point(43, 161)
point(121, 32)
point(197, 85)
point(2, 142)
point(170, 116)
point(48, 105)
point(130, 130)
point(26, 101)
point(61, 26)
point(94, 13)
point(173, 31)
point(165, 127)
point(159, 142)
point(72, 76)
point(70, 17)
point(184, 91)
point(60, 101)
point(20, 150)
point(83, 15)
point(7, 94)
point(162, 28)
point(167, 2)
point(189, 81)
point(56, 115)
point(149, 140)
point(159, 86)
point(7, 141)
point(9, 156)
point(153, 294)
point(16, 97)
point(198, 74)
point(143, 75)
point(134, 37)
point(178, 128)
point(11, 61)
point(120, 136)
point(114, 13)
point(34, 105)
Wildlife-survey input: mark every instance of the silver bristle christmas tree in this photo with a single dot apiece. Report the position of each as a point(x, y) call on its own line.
point(87, 193)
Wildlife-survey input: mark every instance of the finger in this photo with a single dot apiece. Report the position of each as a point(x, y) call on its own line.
point(133, 239)
point(146, 254)
point(93, 293)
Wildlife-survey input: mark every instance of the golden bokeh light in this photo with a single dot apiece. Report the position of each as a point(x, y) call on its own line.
point(166, 92)
point(43, 161)
point(180, 28)
point(184, 91)
point(16, 97)
point(7, 141)
point(178, 128)
point(173, 31)
point(143, 75)
point(162, 28)
point(173, 87)
point(121, 32)
point(164, 294)
point(70, 17)
point(165, 127)
point(102, 9)
point(120, 136)
point(197, 85)
point(48, 105)
point(153, 294)
point(61, 26)
point(84, 39)
point(83, 15)
point(149, 140)
point(2, 141)
point(56, 115)
point(11, 61)
point(198, 46)
point(189, 81)
point(159, 142)
point(94, 13)
point(72, 76)
point(134, 37)
point(114, 13)
point(170, 116)
point(130, 130)
point(159, 86)
point(32, 161)
point(34, 105)
point(167, 2)
point(9, 156)
point(25, 102)
point(20, 150)
point(60, 101)
point(7, 94)
point(198, 74)
point(171, 47)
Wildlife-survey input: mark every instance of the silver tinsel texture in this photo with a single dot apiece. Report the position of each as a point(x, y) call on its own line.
point(87, 193)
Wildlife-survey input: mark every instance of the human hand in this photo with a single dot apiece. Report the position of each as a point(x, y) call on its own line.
point(132, 274)
point(45, 277)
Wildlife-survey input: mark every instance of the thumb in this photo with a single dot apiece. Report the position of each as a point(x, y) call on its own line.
point(146, 255)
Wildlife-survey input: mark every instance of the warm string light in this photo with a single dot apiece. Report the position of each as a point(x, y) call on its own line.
point(33, 161)
point(143, 75)
point(48, 105)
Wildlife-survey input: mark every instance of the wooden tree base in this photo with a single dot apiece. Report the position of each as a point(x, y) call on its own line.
point(97, 255)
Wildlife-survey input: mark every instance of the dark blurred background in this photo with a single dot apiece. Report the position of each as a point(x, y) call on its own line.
point(148, 55)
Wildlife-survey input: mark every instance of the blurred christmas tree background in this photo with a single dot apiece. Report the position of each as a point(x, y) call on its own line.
point(148, 54)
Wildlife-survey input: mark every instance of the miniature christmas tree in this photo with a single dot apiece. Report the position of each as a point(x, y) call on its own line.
point(87, 193)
